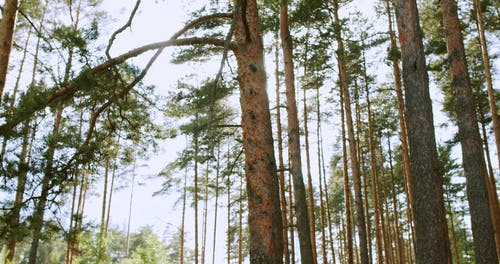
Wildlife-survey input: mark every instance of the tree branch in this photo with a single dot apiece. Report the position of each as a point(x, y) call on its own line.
point(201, 20)
point(70, 88)
point(120, 30)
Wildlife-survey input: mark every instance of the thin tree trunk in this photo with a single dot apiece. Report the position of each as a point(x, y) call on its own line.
point(398, 233)
point(216, 206)
point(403, 133)
point(291, 213)
point(305, 224)
point(453, 233)
point(266, 233)
point(430, 225)
point(195, 190)
point(7, 26)
point(281, 165)
point(358, 200)
point(38, 214)
point(483, 230)
point(127, 239)
point(183, 219)
point(111, 188)
point(14, 219)
point(347, 188)
point(228, 219)
point(205, 215)
point(15, 92)
point(100, 245)
point(374, 172)
point(322, 174)
point(487, 74)
point(240, 223)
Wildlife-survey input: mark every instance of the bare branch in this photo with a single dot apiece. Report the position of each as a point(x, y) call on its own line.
point(120, 30)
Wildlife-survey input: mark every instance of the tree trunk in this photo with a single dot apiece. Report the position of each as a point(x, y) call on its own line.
point(377, 213)
point(403, 133)
point(101, 242)
point(347, 188)
point(131, 202)
point(205, 214)
point(39, 212)
point(487, 74)
point(281, 165)
point(266, 237)
point(398, 232)
point(472, 152)
point(430, 225)
point(358, 199)
point(304, 227)
point(183, 218)
point(216, 206)
point(14, 218)
point(7, 26)
point(322, 173)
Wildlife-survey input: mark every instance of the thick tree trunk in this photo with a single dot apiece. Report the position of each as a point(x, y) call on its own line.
point(431, 230)
point(304, 227)
point(7, 26)
point(266, 237)
point(470, 139)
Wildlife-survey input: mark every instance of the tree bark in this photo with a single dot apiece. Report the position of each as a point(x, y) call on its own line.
point(432, 244)
point(266, 237)
point(347, 188)
point(487, 74)
point(403, 133)
point(472, 152)
point(7, 26)
point(358, 197)
point(281, 165)
point(304, 226)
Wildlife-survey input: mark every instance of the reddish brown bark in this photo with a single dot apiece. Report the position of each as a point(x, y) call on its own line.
point(266, 237)
point(472, 151)
point(7, 26)
point(305, 228)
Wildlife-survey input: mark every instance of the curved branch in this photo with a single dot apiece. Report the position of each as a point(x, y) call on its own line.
point(200, 20)
point(120, 30)
point(70, 88)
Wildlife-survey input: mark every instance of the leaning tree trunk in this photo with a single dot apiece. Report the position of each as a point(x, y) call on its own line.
point(430, 220)
point(470, 139)
point(7, 26)
point(266, 237)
